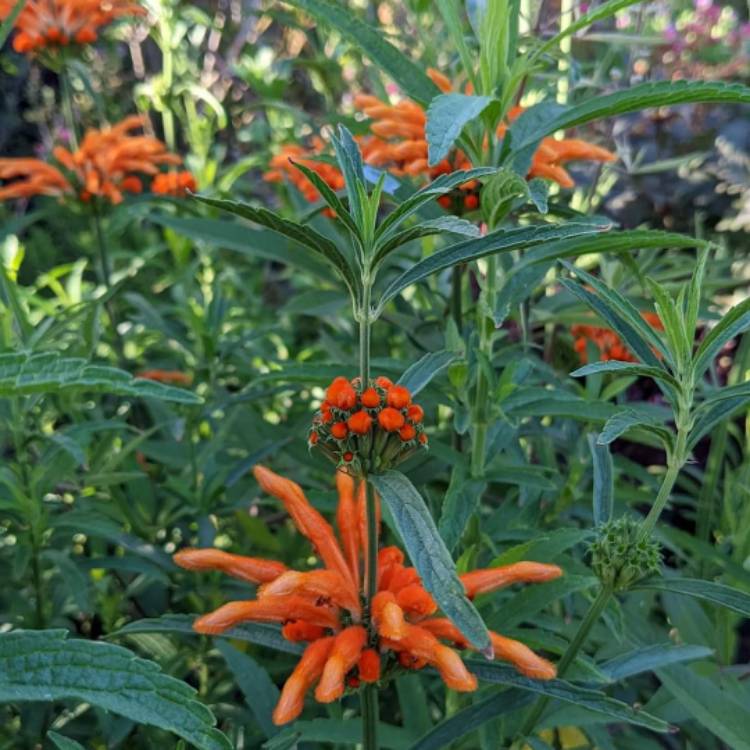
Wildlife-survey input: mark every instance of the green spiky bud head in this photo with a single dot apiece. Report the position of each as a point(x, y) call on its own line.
point(619, 557)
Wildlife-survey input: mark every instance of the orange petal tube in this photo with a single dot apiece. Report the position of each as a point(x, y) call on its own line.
point(415, 601)
point(346, 651)
point(325, 584)
point(525, 660)
point(253, 569)
point(490, 579)
point(369, 666)
point(270, 609)
point(305, 675)
point(346, 519)
point(307, 520)
point(388, 616)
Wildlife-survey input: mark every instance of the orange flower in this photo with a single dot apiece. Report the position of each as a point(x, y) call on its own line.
point(170, 377)
point(108, 163)
point(353, 428)
point(45, 24)
point(177, 184)
point(609, 344)
point(322, 606)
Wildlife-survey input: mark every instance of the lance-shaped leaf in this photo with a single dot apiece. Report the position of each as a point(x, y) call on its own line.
point(430, 556)
point(709, 591)
point(502, 240)
point(611, 242)
point(425, 369)
point(440, 186)
point(649, 658)
point(634, 99)
point(349, 159)
point(23, 374)
point(447, 116)
point(593, 700)
point(411, 79)
point(300, 233)
point(626, 310)
point(329, 196)
point(631, 419)
point(626, 368)
point(733, 323)
point(604, 486)
point(46, 665)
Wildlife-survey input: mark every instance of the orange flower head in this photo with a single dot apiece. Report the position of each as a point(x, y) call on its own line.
point(609, 344)
point(45, 25)
point(322, 606)
point(364, 426)
point(176, 184)
point(108, 163)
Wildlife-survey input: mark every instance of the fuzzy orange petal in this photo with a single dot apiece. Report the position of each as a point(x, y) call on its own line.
point(253, 569)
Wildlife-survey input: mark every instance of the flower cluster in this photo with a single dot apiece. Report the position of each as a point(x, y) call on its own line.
point(324, 607)
point(609, 344)
point(51, 24)
point(397, 142)
point(369, 428)
point(108, 163)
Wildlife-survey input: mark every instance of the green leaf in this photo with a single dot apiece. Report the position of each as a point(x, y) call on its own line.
point(604, 487)
point(733, 323)
point(716, 593)
point(430, 556)
point(501, 240)
point(611, 242)
point(447, 116)
point(634, 99)
point(252, 632)
point(7, 25)
point(261, 695)
point(63, 743)
point(472, 717)
point(350, 162)
point(44, 665)
point(440, 186)
point(626, 368)
point(715, 706)
point(371, 41)
point(673, 321)
point(694, 294)
point(593, 700)
point(459, 505)
point(242, 238)
point(330, 197)
point(300, 233)
point(649, 658)
point(599, 13)
point(623, 308)
point(500, 193)
point(23, 374)
point(419, 375)
point(614, 318)
point(337, 732)
point(629, 419)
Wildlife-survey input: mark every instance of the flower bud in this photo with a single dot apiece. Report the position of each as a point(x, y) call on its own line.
point(619, 557)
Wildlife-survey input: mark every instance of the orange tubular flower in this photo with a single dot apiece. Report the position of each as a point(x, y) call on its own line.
point(47, 24)
point(323, 606)
point(176, 184)
point(170, 377)
point(109, 162)
point(609, 344)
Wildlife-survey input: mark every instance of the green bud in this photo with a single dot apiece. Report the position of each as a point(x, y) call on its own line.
point(619, 558)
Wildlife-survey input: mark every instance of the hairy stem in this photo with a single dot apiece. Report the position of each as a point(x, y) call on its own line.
point(595, 610)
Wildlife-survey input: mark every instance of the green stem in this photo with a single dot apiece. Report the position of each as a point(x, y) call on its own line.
point(676, 462)
point(481, 411)
point(369, 706)
point(67, 105)
point(106, 276)
point(365, 322)
point(595, 610)
point(36, 572)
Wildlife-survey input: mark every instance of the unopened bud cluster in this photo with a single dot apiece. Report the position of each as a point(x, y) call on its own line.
point(620, 558)
point(368, 428)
